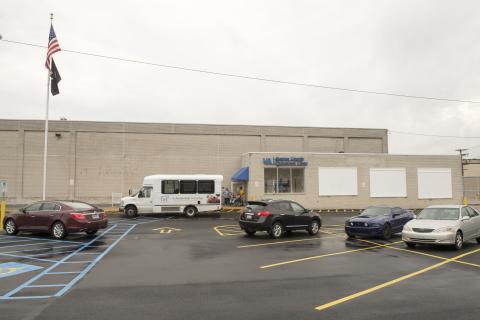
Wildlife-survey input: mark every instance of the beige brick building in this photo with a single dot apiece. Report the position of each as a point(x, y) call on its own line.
point(367, 171)
point(91, 160)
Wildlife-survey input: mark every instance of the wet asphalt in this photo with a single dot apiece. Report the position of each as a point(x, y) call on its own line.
point(205, 268)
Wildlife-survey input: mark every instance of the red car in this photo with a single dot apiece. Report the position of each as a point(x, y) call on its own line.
point(56, 217)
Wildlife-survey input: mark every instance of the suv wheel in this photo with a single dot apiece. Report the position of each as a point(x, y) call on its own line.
point(313, 227)
point(131, 211)
point(58, 230)
point(11, 227)
point(190, 211)
point(458, 241)
point(276, 230)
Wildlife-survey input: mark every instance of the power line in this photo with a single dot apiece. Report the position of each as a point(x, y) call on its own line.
point(303, 84)
point(431, 135)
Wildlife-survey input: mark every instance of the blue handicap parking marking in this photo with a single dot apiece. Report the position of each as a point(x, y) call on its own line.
point(13, 268)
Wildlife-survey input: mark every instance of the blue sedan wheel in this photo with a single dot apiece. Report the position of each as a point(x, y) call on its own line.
point(387, 232)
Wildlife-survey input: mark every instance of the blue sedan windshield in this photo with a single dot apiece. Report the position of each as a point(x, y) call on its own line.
point(376, 211)
point(439, 214)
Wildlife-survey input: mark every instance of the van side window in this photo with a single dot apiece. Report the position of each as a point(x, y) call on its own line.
point(170, 186)
point(188, 186)
point(206, 186)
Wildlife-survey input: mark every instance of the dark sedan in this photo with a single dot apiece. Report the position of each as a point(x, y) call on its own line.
point(383, 221)
point(56, 217)
point(277, 217)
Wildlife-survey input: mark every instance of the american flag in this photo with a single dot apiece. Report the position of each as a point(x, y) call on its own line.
point(53, 46)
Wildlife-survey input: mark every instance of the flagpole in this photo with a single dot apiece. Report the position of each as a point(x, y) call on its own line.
point(45, 145)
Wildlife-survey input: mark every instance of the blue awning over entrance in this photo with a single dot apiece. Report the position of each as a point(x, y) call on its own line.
point(241, 175)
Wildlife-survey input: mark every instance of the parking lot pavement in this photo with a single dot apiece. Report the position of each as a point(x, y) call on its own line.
point(206, 268)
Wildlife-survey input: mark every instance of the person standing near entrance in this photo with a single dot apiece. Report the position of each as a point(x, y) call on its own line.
point(241, 193)
point(226, 196)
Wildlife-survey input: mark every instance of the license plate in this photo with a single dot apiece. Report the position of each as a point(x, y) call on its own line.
point(95, 216)
point(248, 216)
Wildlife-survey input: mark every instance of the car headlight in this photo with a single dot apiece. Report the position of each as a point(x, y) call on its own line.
point(444, 229)
point(407, 228)
point(365, 224)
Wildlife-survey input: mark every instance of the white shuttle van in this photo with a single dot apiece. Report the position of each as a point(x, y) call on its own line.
point(171, 193)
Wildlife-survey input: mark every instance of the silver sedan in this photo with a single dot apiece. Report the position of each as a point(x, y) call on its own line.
point(446, 225)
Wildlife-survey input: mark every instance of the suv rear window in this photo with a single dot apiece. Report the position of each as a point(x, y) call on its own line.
point(256, 206)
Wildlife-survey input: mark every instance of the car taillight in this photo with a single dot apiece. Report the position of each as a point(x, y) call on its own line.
point(77, 216)
point(264, 213)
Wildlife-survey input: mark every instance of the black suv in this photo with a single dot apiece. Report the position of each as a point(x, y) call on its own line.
point(278, 216)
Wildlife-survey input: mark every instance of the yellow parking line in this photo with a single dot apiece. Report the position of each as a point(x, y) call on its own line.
point(231, 228)
point(218, 229)
point(324, 255)
point(392, 282)
point(332, 225)
point(424, 254)
point(232, 234)
point(281, 242)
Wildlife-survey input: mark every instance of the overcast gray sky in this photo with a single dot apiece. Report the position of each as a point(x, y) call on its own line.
point(418, 47)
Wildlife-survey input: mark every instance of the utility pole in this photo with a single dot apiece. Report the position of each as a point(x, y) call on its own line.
point(462, 154)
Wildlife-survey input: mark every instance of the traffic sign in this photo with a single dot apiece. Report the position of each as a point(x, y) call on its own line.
point(3, 187)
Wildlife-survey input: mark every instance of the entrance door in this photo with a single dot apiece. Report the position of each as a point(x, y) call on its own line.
point(236, 190)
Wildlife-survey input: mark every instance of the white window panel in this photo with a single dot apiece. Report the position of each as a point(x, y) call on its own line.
point(434, 183)
point(388, 182)
point(337, 181)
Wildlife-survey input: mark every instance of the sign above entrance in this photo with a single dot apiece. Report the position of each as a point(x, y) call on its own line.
point(285, 162)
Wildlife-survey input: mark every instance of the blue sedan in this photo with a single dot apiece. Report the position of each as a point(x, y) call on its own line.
point(383, 221)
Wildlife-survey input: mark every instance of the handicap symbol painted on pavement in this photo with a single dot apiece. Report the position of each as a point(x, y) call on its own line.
point(13, 268)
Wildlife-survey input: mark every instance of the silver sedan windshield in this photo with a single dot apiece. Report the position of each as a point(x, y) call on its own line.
point(439, 214)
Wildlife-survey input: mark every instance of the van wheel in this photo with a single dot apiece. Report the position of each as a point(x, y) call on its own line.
point(131, 211)
point(190, 211)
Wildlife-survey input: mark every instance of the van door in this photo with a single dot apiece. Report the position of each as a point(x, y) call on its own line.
point(144, 200)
